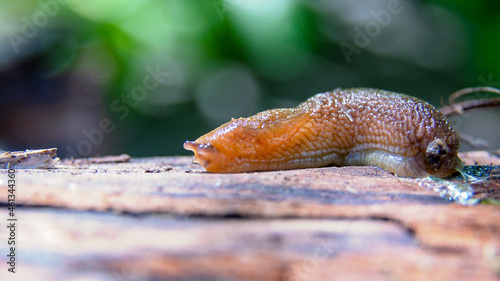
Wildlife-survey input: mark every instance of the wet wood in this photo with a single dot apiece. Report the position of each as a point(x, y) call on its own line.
point(481, 157)
point(165, 219)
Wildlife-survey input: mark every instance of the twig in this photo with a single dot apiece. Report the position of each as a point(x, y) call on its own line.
point(461, 107)
point(98, 160)
point(458, 108)
point(455, 108)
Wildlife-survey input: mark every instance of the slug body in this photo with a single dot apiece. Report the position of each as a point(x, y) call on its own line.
point(398, 133)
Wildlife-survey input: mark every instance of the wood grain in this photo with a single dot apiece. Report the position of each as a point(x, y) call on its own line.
point(164, 219)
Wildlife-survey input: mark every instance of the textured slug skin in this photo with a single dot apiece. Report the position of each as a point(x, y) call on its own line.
point(401, 134)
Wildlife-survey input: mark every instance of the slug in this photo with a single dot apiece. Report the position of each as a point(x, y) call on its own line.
point(398, 133)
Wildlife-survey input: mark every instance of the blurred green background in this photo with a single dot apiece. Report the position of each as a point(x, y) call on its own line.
point(142, 76)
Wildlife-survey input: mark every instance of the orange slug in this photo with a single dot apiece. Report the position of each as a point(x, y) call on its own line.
point(398, 133)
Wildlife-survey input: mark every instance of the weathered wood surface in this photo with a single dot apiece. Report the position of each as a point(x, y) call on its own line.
point(165, 219)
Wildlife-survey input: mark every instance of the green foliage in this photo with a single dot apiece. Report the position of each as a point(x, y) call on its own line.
point(287, 50)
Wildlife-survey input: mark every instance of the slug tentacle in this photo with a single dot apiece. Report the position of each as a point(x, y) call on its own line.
point(401, 134)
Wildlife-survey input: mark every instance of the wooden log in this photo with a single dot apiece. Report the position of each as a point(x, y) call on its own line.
point(164, 218)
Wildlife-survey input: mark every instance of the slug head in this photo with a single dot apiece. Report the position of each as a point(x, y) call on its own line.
point(204, 153)
point(234, 146)
point(223, 149)
point(441, 159)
